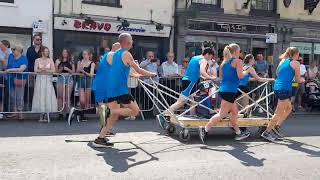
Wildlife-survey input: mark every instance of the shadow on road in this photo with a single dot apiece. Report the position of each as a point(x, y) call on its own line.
point(239, 151)
point(302, 147)
point(119, 159)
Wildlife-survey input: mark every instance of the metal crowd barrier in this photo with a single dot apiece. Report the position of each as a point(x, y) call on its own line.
point(50, 93)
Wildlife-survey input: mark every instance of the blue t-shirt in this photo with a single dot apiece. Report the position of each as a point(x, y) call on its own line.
point(230, 79)
point(16, 63)
point(285, 76)
point(193, 70)
point(119, 73)
point(102, 75)
point(261, 66)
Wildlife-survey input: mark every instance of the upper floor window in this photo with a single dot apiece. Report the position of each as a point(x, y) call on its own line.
point(211, 2)
point(111, 3)
point(7, 1)
point(262, 4)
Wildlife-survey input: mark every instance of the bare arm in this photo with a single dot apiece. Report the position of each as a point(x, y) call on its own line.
point(36, 66)
point(203, 71)
point(20, 69)
point(93, 66)
point(58, 70)
point(128, 59)
point(79, 67)
point(239, 67)
point(52, 67)
point(255, 75)
point(296, 66)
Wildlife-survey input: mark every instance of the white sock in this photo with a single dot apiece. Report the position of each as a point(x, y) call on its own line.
point(206, 129)
point(238, 132)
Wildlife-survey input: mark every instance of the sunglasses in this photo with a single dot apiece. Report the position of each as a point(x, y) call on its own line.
point(38, 39)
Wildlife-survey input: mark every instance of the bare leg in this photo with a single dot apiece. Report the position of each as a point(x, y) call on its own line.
point(225, 108)
point(131, 109)
point(287, 112)
point(82, 99)
point(278, 115)
point(88, 98)
point(60, 97)
point(234, 117)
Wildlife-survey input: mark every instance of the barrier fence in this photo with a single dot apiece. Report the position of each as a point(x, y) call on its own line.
point(52, 93)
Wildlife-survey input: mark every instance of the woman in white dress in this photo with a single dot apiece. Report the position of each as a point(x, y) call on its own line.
point(44, 99)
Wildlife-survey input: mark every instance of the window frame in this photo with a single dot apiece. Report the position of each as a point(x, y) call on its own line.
point(116, 5)
point(265, 12)
point(7, 1)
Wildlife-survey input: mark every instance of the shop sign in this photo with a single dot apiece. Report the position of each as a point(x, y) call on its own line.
point(309, 33)
point(271, 38)
point(100, 26)
point(121, 28)
point(304, 48)
point(109, 27)
point(228, 27)
point(39, 26)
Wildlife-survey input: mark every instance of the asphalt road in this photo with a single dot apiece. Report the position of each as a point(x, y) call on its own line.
point(32, 150)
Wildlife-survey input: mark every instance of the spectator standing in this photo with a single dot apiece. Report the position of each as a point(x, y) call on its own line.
point(213, 68)
point(169, 72)
point(313, 71)
point(261, 66)
point(5, 51)
point(169, 68)
point(150, 64)
point(17, 63)
point(86, 68)
point(65, 66)
point(183, 67)
point(33, 53)
point(301, 87)
point(44, 99)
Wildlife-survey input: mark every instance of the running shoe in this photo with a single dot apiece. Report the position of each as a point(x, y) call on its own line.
point(73, 112)
point(110, 133)
point(268, 136)
point(101, 143)
point(277, 131)
point(203, 134)
point(162, 121)
point(242, 135)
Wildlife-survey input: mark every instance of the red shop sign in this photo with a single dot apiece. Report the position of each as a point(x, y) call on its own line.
point(100, 26)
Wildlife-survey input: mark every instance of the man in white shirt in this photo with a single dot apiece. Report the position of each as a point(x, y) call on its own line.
point(169, 68)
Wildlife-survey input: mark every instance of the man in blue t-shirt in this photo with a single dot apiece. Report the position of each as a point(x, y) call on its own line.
point(261, 66)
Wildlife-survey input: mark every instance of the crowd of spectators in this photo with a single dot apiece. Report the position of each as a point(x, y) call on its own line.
point(40, 91)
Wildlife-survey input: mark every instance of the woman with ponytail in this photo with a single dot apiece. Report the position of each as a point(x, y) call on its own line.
point(230, 73)
point(288, 69)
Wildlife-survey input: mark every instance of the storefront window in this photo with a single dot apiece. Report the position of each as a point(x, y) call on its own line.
point(195, 44)
point(17, 39)
point(316, 51)
point(77, 42)
point(243, 43)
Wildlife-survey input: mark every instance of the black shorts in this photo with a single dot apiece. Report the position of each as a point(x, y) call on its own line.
point(123, 99)
point(188, 87)
point(244, 89)
point(282, 94)
point(229, 96)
